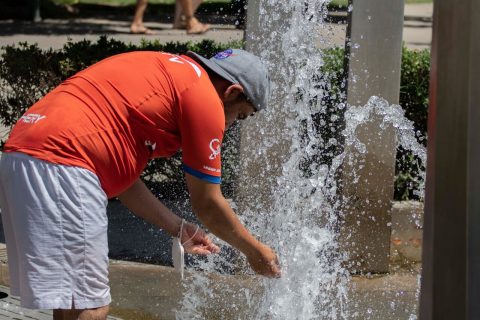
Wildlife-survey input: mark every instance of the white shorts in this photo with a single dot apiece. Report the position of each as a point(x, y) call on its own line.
point(55, 223)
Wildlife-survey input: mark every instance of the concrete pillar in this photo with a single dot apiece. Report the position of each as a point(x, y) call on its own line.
point(374, 50)
point(451, 252)
point(260, 164)
point(373, 55)
point(264, 142)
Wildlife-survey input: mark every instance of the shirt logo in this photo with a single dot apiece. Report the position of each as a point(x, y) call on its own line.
point(180, 60)
point(32, 117)
point(150, 146)
point(224, 54)
point(215, 147)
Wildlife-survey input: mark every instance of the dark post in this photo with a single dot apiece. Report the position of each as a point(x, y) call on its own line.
point(451, 252)
point(36, 11)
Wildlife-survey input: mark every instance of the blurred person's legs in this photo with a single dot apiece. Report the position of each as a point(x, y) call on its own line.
point(192, 25)
point(179, 17)
point(137, 25)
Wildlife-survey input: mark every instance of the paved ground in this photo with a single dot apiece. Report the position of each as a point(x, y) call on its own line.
point(146, 291)
point(417, 31)
point(10, 309)
point(54, 33)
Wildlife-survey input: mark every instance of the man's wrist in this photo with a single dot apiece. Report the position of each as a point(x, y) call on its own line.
point(175, 226)
point(181, 228)
point(251, 247)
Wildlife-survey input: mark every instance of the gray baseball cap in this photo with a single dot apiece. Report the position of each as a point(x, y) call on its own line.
point(244, 68)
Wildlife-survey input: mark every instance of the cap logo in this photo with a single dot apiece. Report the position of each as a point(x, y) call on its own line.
point(224, 54)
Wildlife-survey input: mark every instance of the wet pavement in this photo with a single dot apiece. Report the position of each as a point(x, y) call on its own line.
point(147, 291)
point(10, 309)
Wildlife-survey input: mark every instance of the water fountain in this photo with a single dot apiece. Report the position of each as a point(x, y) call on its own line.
point(290, 201)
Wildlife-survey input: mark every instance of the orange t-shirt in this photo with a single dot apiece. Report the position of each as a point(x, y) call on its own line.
point(114, 116)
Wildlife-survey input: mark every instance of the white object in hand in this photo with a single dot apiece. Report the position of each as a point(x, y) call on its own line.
point(178, 256)
point(178, 252)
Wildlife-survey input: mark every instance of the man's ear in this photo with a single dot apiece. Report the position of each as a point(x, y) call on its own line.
point(232, 92)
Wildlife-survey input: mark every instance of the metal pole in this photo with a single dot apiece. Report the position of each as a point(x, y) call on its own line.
point(451, 252)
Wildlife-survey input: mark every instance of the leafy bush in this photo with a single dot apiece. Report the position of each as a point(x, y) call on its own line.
point(27, 73)
point(327, 118)
point(413, 99)
point(414, 84)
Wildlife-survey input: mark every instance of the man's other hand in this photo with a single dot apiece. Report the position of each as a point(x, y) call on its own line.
point(195, 240)
point(264, 261)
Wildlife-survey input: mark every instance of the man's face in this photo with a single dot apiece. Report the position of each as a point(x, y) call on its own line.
point(237, 110)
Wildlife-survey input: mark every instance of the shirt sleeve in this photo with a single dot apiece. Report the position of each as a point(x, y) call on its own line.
point(202, 126)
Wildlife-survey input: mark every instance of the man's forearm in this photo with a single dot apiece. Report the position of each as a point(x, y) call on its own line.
point(140, 200)
point(220, 219)
point(216, 214)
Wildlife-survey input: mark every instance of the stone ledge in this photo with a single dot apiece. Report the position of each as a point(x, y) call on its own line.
point(142, 291)
point(407, 232)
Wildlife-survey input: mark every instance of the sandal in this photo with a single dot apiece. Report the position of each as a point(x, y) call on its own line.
point(141, 30)
point(194, 26)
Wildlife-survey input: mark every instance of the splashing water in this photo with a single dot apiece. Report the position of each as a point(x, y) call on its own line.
point(301, 218)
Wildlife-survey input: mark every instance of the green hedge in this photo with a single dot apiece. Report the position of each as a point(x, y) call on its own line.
point(414, 84)
point(27, 73)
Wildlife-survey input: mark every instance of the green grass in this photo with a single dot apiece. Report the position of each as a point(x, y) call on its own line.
point(338, 3)
point(344, 3)
point(333, 3)
point(127, 2)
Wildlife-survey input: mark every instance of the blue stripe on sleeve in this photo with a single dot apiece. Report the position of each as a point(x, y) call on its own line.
point(201, 175)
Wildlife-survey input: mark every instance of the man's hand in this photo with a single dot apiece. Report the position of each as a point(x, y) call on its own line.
point(264, 261)
point(195, 240)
